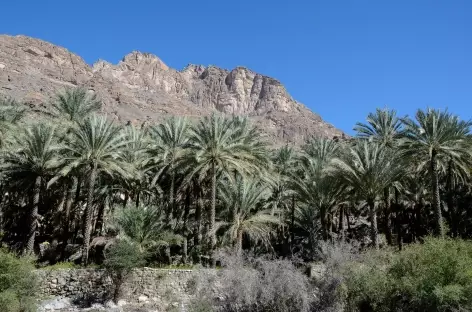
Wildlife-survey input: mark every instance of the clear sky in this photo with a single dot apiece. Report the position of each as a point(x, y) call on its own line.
point(340, 58)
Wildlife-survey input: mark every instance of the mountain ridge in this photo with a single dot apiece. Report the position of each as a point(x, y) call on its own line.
point(142, 88)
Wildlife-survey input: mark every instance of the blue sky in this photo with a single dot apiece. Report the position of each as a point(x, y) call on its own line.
point(340, 58)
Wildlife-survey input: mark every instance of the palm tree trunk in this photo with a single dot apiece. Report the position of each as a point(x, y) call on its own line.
point(292, 225)
point(198, 224)
point(388, 219)
point(34, 217)
point(450, 201)
point(125, 201)
point(436, 197)
point(89, 214)
point(171, 196)
point(213, 217)
point(67, 211)
point(373, 224)
point(239, 242)
point(341, 221)
point(137, 199)
point(185, 227)
point(62, 202)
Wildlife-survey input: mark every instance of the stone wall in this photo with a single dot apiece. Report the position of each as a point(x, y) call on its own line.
point(159, 287)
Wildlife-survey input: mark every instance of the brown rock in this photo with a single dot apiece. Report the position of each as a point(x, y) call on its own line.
point(142, 87)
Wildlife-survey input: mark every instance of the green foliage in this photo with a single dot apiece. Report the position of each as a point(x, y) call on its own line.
point(17, 284)
point(122, 257)
point(75, 104)
point(146, 227)
point(61, 265)
point(434, 276)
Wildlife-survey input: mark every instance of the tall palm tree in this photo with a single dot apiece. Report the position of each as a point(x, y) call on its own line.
point(219, 146)
point(135, 154)
point(30, 164)
point(243, 201)
point(385, 128)
point(368, 169)
point(94, 148)
point(172, 140)
point(75, 104)
point(314, 184)
point(433, 136)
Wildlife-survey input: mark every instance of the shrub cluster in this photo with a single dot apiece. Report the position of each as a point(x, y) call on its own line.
point(253, 285)
point(17, 284)
point(433, 276)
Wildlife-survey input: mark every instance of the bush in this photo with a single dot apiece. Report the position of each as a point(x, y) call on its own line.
point(61, 265)
point(434, 276)
point(253, 284)
point(17, 284)
point(120, 259)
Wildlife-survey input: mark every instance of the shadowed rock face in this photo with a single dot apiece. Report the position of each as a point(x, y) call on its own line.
point(143, 88)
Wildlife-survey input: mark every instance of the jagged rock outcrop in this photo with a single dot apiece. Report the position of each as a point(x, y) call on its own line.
point(142, 87)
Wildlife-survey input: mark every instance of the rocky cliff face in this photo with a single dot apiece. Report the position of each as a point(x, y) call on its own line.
point(143, 88)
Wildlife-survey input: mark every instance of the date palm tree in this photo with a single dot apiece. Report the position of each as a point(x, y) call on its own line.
point(315, 186)
point(30, 163)
point(94, 147)
point(243, 202)
point(172, 139)
point(75, 104)
point(145, 226)
point(10, 115)
point(434, 136)
point(367, 169)
point(218, 145)
point(385, 128)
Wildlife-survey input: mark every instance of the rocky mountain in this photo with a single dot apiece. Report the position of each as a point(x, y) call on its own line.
point(143, 88)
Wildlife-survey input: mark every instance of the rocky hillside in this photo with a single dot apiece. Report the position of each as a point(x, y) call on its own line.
point(143, 88)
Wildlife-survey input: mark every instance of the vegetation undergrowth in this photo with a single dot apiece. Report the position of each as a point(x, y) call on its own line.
point(433, 276)
point(18, 288)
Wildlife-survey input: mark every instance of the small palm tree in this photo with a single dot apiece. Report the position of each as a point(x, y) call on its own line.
point(434, 136)
point(367, 169)
point(10, 115)
point(146, 226)
point(94, 147)
point(75, 104)
point(243, 201)
point(31, 164)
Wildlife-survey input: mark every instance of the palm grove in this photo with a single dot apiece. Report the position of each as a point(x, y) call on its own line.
point(181, 190)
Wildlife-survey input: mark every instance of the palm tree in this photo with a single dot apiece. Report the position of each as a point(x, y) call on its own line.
point(434, 136)
point(385, 128)
point(75, 104)
point(31, 164)
point(145, 226)
point(243, 201)
point(94, 148)
point(368, 169)
point(172, 137)
point(135, 154)
point(314, 184)
point(10, 115)
point(219, 146)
